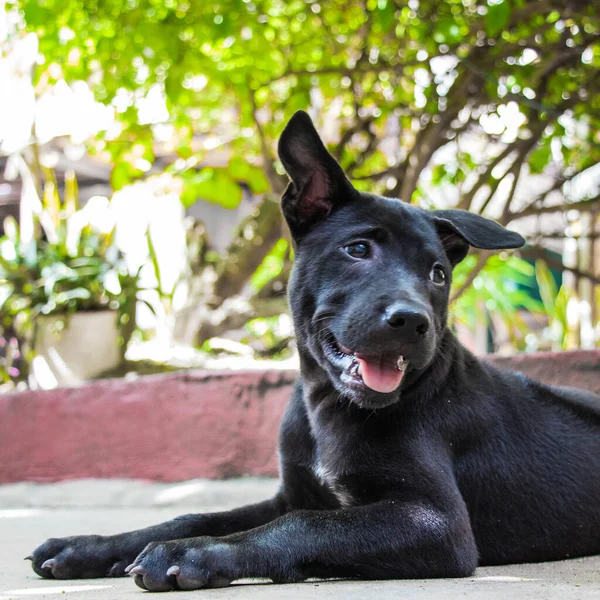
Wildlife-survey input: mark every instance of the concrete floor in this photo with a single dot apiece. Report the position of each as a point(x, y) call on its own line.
point(31, 513)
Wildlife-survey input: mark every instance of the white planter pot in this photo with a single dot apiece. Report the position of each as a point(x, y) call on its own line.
point(85, 348)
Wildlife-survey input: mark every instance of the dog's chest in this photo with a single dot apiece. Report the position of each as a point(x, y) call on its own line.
point(332, 481)
point(342, 453)
point(334, 464)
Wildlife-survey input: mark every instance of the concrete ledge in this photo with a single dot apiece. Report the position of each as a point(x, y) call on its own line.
point(183, 425)
point(172, 427)
point(577, 368)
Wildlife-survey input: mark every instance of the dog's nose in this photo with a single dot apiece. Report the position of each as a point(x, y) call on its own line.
point(409, 319)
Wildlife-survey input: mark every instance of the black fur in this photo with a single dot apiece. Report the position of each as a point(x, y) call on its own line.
point(463, 464)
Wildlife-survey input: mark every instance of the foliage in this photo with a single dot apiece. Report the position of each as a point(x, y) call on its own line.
point(271, 266)
point(455, 101)
point(70, 264)
point(234, 71)
point(555, 306)
point(270, 336)
point(503, 289)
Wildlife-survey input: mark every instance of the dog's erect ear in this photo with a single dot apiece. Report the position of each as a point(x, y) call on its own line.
point(318, 183)
point(459, 229)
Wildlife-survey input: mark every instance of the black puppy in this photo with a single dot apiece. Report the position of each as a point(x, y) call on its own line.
point(402, 455)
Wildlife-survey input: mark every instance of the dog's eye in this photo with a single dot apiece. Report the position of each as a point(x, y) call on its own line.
point(358, 250)
point(438, 275)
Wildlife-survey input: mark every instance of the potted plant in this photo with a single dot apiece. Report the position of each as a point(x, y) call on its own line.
point(65, 292)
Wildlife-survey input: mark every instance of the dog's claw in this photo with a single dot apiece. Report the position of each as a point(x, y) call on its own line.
point(29, 557)
point(174, 570)
point(139, 570)
point(48, 564)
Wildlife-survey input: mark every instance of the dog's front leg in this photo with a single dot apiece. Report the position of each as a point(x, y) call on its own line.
point(86, 556)
point(386, 540)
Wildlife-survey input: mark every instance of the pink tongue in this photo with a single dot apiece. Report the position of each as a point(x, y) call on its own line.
point(384, 378)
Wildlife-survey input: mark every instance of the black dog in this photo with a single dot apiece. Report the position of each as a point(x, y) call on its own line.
point(402, 455)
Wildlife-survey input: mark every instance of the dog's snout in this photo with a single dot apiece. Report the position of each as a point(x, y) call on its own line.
point(409, 319)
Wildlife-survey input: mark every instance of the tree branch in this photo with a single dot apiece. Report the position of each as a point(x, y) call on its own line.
point(516, 170)
point(245, 255)
point(539, 253)
point(482, 259)
point(467, 200)
point(359, 126)
point(277, 181)
point(583, 205)
point(343, 70)
point(557, 185)
point(561, 235)
point(235, 313)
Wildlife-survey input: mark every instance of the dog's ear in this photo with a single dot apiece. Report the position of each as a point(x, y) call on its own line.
point(318, 184)
point(459, 229)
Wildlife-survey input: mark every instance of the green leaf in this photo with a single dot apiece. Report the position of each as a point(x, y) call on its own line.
point(539, 158)
point(547, 287)
point(74, 294)
point(270, 267)
point(37, 15)
point(11, 229)
point(238, 168)
point(447, 31)
point(150, 307)
point(243, 171)
point(71, 198)
point(122, 175)
point(497, 17)
point(154, 258)
point(213, 185)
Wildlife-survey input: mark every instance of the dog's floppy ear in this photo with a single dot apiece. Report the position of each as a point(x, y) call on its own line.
point(318, 183)
point(459, 229)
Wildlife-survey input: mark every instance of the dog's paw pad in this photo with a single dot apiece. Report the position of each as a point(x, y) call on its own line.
point(139, 581)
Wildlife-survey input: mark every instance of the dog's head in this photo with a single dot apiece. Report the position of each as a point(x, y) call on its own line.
point(370, 287)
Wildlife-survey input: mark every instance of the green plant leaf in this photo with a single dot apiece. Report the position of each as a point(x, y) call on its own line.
point(447, 31)
point(78, 293)
point(539, 159)
point(242, 171)
point(497, 17)
point(213, 185)
point(547, 287)
point(271, 266)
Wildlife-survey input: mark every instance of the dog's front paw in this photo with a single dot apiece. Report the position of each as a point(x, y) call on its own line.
point(79, 557)
point(188, 564)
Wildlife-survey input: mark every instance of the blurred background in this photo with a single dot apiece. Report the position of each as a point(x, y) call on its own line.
point(139, 182)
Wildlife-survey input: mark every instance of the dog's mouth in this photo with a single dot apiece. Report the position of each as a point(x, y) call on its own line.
point(381, 373)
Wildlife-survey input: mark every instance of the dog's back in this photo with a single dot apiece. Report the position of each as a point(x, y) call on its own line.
point(531, 480)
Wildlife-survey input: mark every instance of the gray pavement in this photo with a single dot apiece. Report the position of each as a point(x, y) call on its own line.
point(30, 513)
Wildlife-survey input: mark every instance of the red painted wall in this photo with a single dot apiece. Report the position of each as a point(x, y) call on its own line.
point(182, 425)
